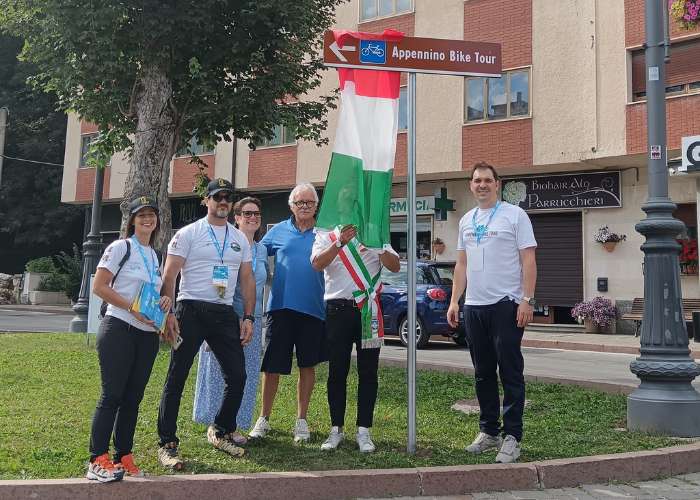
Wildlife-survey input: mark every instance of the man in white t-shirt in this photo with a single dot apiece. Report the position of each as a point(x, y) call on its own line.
point(209, 254)
point(496, 264)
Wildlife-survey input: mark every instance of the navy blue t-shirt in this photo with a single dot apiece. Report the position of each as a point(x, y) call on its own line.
point(295, 285)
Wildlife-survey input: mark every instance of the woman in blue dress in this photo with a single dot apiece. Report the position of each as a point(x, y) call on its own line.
point(209, 390)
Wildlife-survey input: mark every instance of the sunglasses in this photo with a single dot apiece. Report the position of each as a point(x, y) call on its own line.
point(304, 204)
point(222, 196)
point(250, 213)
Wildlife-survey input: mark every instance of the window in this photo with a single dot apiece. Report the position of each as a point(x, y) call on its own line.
point(194, 147)
point(370, 9)
point(282, 137)
point(85, 142)
point(403, 109)
point(680, 89)
point(505, 97)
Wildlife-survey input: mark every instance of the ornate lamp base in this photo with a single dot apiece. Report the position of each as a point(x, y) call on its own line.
point(671, 409)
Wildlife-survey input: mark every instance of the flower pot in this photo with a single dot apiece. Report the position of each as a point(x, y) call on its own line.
point(609, 245)
point(590, 326)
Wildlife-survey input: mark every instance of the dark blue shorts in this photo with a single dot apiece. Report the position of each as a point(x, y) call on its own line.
point(289, 331)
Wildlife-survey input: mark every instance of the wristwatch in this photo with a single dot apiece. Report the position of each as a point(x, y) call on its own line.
point(530, 300)
point(249, 317)
point(338, 243)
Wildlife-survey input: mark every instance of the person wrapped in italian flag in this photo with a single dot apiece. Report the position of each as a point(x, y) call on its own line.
point(352, 236)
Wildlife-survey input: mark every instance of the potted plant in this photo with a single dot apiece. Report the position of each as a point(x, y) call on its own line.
point(685, 12)
point(607, 238)
point(688, 258)
point(597, 314)
point(438, 246)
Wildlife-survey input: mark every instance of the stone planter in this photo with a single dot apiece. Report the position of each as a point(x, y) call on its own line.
point(31, 283)
point(590, 326)
point(48, 298)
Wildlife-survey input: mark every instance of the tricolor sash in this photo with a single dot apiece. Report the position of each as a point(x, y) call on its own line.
point(367, 295)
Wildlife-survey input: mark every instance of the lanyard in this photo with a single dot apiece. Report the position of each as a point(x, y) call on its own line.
point(151, 270)
point(255, 256)
point(219, 250)
point(480, 230)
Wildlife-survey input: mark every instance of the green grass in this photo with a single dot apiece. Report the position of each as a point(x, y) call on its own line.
point(49, 384)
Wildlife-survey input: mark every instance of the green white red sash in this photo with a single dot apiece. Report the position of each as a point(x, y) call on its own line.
point(367, 295)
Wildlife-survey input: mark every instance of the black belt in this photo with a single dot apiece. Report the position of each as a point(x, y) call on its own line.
point(342, 303)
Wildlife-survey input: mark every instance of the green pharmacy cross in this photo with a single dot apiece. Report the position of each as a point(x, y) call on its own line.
point(443, 204)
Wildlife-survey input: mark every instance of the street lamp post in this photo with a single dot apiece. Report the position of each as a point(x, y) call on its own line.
point(665, 401)
point(92, 249)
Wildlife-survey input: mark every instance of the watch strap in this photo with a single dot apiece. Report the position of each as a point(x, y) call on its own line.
point(249, 317)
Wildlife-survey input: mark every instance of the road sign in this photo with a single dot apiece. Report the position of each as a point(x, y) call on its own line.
point(415, 55)
point(690, 154)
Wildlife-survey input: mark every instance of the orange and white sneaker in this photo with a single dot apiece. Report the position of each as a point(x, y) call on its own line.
point(102, 469)
point(130, 468)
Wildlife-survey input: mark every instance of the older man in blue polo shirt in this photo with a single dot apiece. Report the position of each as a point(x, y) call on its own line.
point(296, 311)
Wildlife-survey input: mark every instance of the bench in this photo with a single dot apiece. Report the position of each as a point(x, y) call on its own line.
point(637, 311)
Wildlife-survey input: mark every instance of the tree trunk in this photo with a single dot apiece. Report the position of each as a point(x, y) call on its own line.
point(155, 143)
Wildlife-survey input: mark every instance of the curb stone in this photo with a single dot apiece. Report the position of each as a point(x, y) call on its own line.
point(421, 481)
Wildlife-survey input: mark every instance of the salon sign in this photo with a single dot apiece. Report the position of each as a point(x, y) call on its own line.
point(564, 191)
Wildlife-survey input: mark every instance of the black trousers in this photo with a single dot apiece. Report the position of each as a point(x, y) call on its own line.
point(218, 325)
point(343, 329)
point(494, 339)
point(126, 356)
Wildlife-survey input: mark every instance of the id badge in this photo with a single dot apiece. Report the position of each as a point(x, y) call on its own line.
point(475, 259)
point(220, 276)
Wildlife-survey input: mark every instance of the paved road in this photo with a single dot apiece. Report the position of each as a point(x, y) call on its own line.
point(675, 488)
point(15, 320)
point(586, 367)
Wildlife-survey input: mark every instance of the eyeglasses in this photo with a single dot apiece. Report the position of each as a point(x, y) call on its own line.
point(250, 213)
point(305, 204)
point(223, 196)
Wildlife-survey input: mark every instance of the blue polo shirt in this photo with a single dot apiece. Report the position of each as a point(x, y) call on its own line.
point(295, 284)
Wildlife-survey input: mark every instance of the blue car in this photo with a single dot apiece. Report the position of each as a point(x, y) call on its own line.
point(433, 292)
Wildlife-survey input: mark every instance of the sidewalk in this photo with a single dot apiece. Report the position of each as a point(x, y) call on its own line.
point(627, 344)
point(38, 308)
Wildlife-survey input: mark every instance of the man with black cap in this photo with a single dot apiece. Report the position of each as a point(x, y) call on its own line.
point(209, 254)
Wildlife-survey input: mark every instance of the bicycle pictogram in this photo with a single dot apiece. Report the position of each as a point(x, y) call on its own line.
point(375, 50)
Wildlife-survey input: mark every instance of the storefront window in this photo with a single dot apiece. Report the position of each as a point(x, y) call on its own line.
point(688, 258)
point(399, 241)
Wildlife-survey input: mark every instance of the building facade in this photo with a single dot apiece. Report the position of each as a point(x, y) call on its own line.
point(565, 126)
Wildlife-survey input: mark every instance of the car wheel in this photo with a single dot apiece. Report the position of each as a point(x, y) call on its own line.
point(422, 336)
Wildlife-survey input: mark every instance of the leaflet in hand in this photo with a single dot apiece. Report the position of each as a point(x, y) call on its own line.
point(147, 302)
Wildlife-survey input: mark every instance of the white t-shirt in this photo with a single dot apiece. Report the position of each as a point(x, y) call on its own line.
point(494, 270)
point(195, 244)
point(338, 283)
point(130, 277)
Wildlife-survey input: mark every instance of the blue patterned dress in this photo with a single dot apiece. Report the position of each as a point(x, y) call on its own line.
point(209, 390)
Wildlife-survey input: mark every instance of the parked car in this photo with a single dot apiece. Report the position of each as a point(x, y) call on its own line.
point(433, 292)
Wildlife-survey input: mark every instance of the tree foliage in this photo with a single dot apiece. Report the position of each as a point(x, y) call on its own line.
point(152, 73)
point(33, 221)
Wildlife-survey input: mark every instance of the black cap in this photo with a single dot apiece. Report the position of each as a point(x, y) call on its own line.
point(218, 185)
point(142, 202)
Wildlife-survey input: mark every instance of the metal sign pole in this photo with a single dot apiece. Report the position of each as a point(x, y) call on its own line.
point(411, 267)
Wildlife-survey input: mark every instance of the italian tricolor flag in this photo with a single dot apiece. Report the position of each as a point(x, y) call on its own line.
point(358, 187)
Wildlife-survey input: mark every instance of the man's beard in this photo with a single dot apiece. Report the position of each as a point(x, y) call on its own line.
point(221, 213)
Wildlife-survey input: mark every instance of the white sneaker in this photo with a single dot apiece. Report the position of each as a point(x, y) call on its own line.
point(484, 442)
point(364, 440)
point(335, 437)
point(301, 431)
point(510, 451)
point(260, 429)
